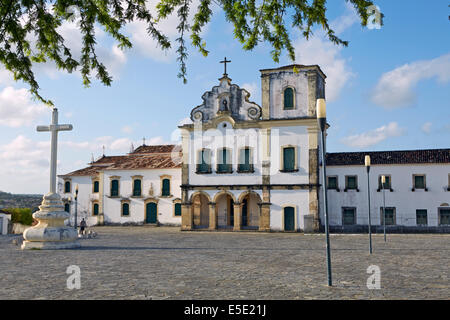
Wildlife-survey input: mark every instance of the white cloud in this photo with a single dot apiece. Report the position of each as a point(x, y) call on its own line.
point(253, 89)
point(17, 109)
point(369, 138)
point(319, 50)
point(426, 127)
point(127, 129)
point(396, 88)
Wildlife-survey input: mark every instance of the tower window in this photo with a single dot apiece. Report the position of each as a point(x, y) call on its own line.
point(67, 187)
point(288, 99)
point(165, 187)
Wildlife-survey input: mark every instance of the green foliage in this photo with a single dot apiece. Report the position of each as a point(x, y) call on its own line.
point(21, 215)
point(29, 29)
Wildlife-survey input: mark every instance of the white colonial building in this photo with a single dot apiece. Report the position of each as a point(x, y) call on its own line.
point(140, 187)
point(242, 166)
point(416, 192)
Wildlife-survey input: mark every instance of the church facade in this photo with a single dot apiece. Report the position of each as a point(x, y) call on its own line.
point(244, 166)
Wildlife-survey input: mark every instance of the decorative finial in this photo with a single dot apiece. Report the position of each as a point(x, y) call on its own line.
point(103, 147)
point(92, 158)
point(143, 141)
point(225, 61)
point(132, 148)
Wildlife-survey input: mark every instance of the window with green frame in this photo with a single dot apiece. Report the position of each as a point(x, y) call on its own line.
point(96, 186)
point(125, 209)
point(289, 159)
point(245, 163)
point(332, 183)
point(67, 207)
point(204, 165)
point(444, 217)
point(421, 217)
point(390, 216)
point(387, 183)
point(224, 161)
point(351, 182)
point(177, 209)
point(419, 182)
point(348, 216)
point(137, 187)
point(114, 188)
point(95, 209)
point(165, 187)
point(288, 99)
point(67, 187)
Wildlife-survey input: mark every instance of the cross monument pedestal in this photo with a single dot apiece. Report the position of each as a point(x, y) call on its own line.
point(50, 232)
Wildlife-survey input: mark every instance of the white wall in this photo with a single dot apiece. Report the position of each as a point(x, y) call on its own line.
point(299, 199)
point(402, 198)
point(5, 221)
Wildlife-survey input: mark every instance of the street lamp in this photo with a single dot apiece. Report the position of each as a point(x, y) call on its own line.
point(367, 164)
point(76, 206)
point(322, 121)
point(383, 182)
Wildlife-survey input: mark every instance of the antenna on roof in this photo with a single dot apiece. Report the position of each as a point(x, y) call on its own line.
point(143, 141)
point(92, 158)
point(103, 147)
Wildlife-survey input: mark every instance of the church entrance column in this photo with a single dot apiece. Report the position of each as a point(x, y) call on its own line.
point(212, 216)
point(186, 217)
point(237, 216)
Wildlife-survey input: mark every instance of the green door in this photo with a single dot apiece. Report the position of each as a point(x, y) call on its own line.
point(150, 212)
point(289, 219)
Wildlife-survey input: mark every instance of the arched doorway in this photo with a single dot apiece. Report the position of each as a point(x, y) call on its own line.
point(151, 213)
point(250, 210)
point(200, 210)
point(225, 210)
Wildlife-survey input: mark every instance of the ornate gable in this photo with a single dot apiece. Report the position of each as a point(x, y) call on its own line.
point(226, 99)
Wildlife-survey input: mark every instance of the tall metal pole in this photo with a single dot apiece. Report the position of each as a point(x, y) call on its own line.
point(383, 182)
point(76, 207)
point(370, 224)
point(322, 121)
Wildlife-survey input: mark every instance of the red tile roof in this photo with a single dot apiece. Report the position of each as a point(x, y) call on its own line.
point(389, 157)
point(144, 157)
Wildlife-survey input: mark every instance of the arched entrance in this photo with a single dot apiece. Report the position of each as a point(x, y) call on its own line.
point(250, 210)
point(200, 210)
point(225, 210)
point(151, 212)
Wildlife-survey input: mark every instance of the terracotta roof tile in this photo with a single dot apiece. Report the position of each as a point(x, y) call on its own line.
point(147, 161)
point(88, 171)
point(167, 148)
point(389, 157)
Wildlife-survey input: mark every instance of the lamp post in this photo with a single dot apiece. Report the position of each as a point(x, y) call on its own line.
point(383, 182)
point(76, 206)
point(367, 164)
point(322, 121)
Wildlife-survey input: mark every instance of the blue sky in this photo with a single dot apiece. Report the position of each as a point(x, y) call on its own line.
point(388, 90)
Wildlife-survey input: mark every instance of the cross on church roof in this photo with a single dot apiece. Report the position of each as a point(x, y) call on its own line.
point(225, 61)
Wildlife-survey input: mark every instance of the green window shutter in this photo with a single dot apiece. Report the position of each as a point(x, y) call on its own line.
point(419, 182)
point(421, 217)
point(67, 187)
point(444, 217)
point(96, 186)
point(125, 209)
point(95, 209)
point(390, 216)
point(67, 207)
point(137, 187)
point(177, 209)
point(288, 99)
point(332, 183)
point(289, 159)
point(245, 164)
point(204, 164)
point(349, 216)
point(166, 187)
point(224, 164)
point(114, 188)
point(351, 182)
point(387, 184)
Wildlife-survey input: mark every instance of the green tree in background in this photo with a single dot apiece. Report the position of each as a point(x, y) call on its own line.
point(29, 35)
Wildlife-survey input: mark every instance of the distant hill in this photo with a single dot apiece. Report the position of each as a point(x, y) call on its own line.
point(10, 200)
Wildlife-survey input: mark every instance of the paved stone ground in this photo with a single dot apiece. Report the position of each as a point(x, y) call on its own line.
point(164, 263)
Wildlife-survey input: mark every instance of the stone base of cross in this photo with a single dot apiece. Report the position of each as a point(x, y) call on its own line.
point(51, 232)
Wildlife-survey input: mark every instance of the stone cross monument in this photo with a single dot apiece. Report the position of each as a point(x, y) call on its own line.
point(50, 232)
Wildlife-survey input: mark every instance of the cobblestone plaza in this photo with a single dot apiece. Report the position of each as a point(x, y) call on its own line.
point(164, 263)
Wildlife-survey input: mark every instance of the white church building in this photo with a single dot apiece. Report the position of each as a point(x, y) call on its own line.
point(241, 166)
